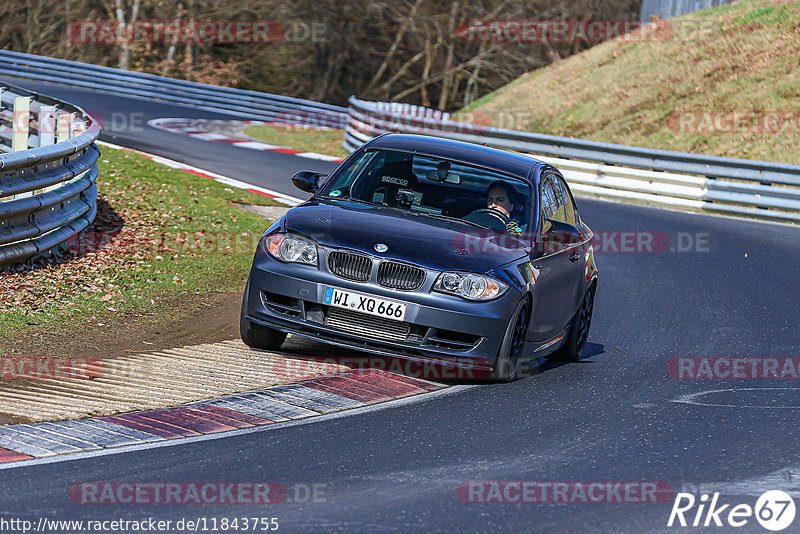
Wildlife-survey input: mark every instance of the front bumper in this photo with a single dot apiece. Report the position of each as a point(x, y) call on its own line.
point(441, 329)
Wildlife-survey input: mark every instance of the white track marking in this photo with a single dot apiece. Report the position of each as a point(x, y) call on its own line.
point(692, 398)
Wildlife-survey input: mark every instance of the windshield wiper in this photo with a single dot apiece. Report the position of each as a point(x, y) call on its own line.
point(456, 219)
point(435, 215)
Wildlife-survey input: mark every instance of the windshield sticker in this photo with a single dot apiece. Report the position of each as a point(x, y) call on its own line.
point(334, 193)
point(394, 180)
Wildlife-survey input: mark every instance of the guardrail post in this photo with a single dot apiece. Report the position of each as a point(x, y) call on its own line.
point(63, 121)
point(77, 126)
point(3, 148)
point(20, 129)
point(47, 126)
point(47, 130)
point(21, 126)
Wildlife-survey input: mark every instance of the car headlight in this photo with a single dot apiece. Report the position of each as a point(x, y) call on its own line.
point(469, 286)
point(291, 248)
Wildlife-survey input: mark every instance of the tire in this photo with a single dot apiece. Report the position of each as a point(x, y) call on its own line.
point(255, 335)
point(578, 331)
point(506, 369)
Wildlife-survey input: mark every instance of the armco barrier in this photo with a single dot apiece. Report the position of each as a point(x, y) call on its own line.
point(48, 173)
point(236, 102)
point(750, 188)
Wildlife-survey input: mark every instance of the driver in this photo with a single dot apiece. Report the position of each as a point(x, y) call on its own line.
point(502, 197)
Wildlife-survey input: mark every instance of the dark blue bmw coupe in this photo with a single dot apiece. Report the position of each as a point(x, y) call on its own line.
point(432, 250)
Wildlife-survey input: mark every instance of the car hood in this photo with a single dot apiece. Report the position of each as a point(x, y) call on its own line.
point(412, 237)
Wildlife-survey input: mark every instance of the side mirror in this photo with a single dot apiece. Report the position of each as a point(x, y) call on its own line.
point(307, 181)
point(556, 235)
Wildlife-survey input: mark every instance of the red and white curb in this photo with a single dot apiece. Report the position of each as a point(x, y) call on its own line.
point(356, 388)
point(193, 128)
point(286, 199)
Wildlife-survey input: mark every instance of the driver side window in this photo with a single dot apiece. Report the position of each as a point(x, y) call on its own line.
point(566, 209)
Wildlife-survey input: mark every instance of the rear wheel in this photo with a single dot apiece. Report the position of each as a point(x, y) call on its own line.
point(506, 368)
point(258, 336)
point(578, 331)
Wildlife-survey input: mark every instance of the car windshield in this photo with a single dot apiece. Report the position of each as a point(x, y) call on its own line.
point(437, 187)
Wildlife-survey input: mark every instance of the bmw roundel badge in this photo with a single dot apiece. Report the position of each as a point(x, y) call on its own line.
point(380, 247)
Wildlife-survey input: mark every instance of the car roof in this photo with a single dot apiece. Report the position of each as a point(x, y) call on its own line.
point(483, 156)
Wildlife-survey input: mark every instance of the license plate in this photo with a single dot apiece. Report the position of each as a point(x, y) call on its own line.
point(365, 304)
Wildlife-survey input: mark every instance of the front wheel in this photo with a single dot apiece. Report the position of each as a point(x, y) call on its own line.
point(578, 331)
point(258, 336)
point(506, 369)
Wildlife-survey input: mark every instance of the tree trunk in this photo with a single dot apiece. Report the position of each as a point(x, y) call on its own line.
point(448, 76)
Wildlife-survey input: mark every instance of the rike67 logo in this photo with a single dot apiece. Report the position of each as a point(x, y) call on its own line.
point(774, 510)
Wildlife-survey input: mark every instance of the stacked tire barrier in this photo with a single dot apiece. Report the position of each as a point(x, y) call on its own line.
point(749, 188)
point(226, 100)
point(48, 173)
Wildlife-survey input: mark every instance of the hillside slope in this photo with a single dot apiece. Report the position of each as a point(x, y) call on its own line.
point(677, 90)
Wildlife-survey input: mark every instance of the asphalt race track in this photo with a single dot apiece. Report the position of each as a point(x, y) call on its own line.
point(614, 416)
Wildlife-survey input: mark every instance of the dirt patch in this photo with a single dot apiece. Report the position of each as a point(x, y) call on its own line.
point(199, 318)
point(206, 318)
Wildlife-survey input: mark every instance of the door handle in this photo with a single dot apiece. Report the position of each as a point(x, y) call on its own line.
point(574, 257)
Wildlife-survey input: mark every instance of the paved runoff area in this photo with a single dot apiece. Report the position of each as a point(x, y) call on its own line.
point(246, 388)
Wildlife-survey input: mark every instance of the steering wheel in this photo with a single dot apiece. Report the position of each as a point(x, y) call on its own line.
point(493, 219)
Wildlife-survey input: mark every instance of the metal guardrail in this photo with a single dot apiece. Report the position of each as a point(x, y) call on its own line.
point(673, 8)
point(750, 188)
point(48, 173)
point(237, 102)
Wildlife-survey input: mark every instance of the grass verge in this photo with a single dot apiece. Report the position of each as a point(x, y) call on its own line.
point(160, 234)
point(676, 91)
point(328, 141)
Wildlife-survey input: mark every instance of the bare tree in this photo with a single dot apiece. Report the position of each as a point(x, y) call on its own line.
point(379, 49)
point(124, 31)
